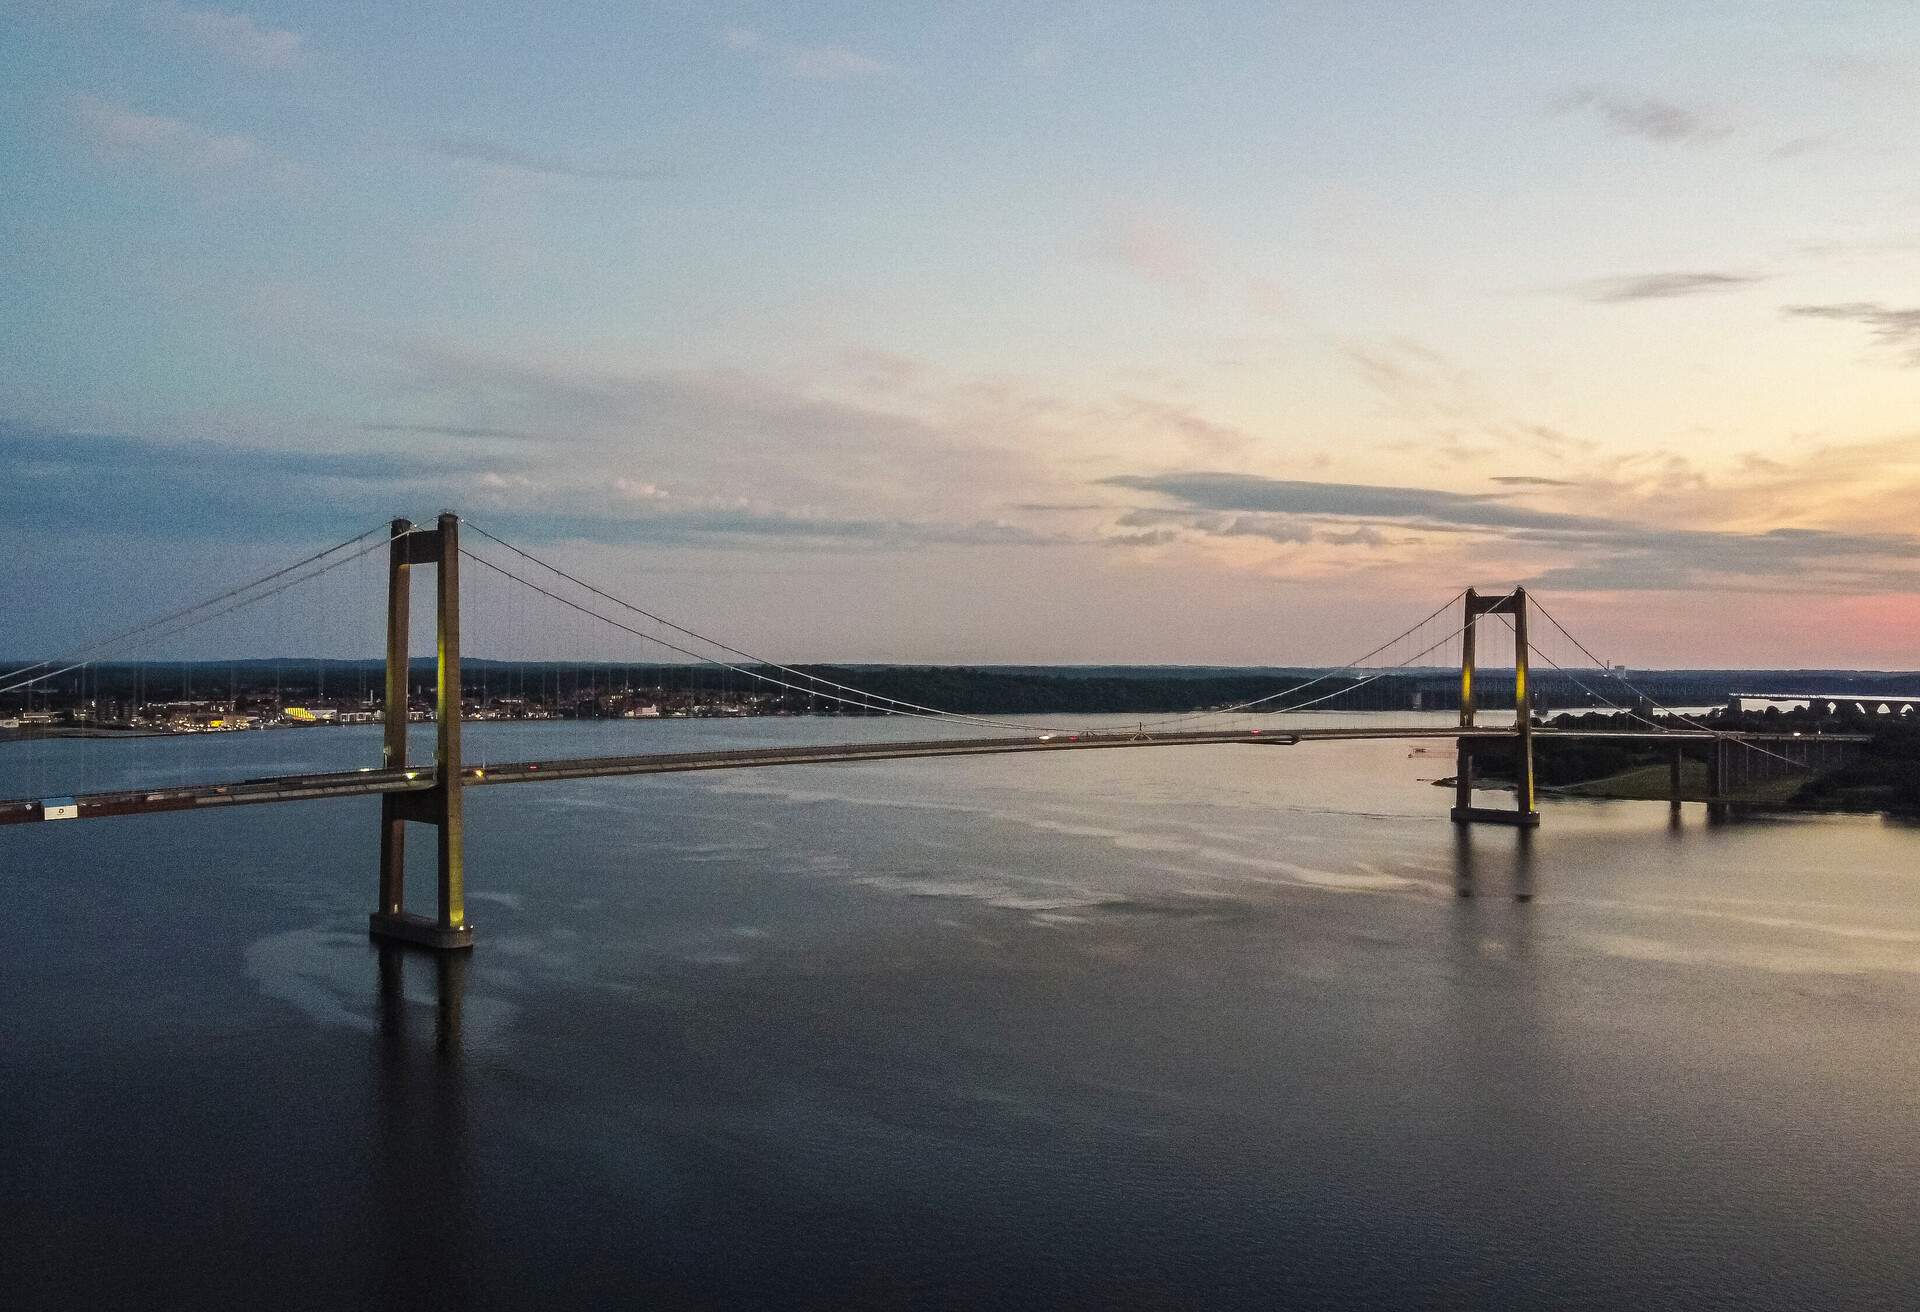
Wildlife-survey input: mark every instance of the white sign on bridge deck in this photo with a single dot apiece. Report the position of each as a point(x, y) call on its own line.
point(59, 808)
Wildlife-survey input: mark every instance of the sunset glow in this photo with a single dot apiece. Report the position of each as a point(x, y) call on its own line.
point(1130, 333)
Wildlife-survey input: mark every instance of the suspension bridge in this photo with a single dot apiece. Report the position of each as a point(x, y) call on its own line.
point(521, 606)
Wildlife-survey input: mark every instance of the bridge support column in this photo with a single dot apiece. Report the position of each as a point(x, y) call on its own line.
point(440, 805)
point(1675, 758)
point(393, 752)
point(1525, 814)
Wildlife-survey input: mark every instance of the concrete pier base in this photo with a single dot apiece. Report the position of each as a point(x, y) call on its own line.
point(403, 927)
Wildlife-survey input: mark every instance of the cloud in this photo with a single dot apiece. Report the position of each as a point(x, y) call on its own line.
point(1206, 437)
point(1161, 527)
point(479, 150)
point(1158, 249)
point(885, 439)
point(1436, 398)
point(1860, 248)
point(1528, 480)
point(1269, 528)
point(885, 371)
point(1250, 492)
point(447, 430)
point(727, 433)
point(1402, 367)
point(1544, 438)
point(1640, 116)
point(117, 134)
point(234, 37)
point(1799, 146)
point(1890, 326)
point(194, 489)
point(1158, 537)
point(742, 526)
point(1801, 560)
point(1661, 286)
point(827, 63)
point(1611, 554)
point(42, 453)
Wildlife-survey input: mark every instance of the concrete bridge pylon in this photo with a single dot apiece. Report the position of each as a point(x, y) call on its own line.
point(440, 805)
point(1525, 813)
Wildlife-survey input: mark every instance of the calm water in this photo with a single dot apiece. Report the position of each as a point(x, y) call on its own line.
point(1184, 1027)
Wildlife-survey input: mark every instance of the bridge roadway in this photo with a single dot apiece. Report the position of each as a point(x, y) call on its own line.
point(423, 778)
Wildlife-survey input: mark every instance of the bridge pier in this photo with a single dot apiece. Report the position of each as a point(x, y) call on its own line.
point(442, 805)
point(1525, 813)
point(1719, 781)
point(1462, 776)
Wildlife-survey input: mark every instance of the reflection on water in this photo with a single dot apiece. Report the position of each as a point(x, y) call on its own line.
point(1476, 847)
point(449, 973)
point(422, 1168)
point(1465, 877)
point(1204, 1027)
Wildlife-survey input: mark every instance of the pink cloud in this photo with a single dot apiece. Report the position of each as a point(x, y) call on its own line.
point(235, 38)
point(807, 63)
point(1158, 249)
point(116, 133)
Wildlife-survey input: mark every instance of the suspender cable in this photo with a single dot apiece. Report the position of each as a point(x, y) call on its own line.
point(121, 637)
point(870, 698)
point(1632, 714)
point(203, 619)
point(924, 714)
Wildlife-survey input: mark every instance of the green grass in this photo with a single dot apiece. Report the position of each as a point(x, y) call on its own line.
point(1652, 783)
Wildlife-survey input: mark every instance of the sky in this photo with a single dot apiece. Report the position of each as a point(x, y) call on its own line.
point(1233, 333)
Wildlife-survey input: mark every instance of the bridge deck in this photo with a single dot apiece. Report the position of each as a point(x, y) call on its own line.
point(367, 782)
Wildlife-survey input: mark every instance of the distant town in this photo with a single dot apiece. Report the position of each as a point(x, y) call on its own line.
point(232, 696)
point(208, 698)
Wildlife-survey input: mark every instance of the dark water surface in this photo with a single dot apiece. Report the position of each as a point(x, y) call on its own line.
point(1184, 1027)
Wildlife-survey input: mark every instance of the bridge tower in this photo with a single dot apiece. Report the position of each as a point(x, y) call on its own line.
point(440, 805)
point(1464, 811)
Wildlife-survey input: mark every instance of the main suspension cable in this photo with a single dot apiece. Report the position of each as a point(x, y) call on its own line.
point(203, 619)
point(1702, 725)
point(701, 637)
point(926, 713)
point(1378, 674)
point(1328, 674)
point(1680, 715)
point(125, 634)
point(871, 697)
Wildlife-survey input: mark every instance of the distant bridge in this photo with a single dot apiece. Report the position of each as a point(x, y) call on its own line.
point(433, 793)
point(1828, 703)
